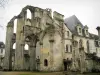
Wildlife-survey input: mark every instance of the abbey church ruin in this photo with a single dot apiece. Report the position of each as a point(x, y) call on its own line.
point(53, 43)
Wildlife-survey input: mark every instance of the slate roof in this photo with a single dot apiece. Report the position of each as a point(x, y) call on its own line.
point(94, 36)
point(71, 23)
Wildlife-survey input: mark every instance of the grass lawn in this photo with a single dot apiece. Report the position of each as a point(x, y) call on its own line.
point(31, 73)
point(45, 73)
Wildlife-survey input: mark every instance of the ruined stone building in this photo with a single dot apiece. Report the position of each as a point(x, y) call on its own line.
point(53, 43)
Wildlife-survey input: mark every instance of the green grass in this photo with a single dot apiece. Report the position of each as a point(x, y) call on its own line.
point(45, 73)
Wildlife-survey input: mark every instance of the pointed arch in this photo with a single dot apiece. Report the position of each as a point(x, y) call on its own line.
point(14, 46)
point(29, 15)
point(26, 47)
point(15, 26)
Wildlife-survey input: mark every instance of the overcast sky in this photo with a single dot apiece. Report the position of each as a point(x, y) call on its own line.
point(87, 11)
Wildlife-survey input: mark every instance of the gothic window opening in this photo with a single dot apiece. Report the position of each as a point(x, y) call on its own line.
point(28, 14)
point(14, 46)
point(45, 62)
point(26, 47)
point(15, 26)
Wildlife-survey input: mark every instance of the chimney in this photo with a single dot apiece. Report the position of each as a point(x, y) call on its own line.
point(98, 28)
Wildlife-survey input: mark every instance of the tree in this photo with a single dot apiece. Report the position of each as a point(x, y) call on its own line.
point(3, 3)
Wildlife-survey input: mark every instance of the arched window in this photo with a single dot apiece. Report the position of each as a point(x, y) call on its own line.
point(14, 46)
point(26, 47)
point(15, 25)
point(45, 62)
point(88, 46)
point(28, 14)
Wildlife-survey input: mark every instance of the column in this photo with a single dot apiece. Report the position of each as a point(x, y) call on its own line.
point(8, 46)
point(41, 55)
point(51, 40)
point(19, 44)
point(32, 49)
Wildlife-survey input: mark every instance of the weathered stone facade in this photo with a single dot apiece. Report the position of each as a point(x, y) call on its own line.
point(54, 44)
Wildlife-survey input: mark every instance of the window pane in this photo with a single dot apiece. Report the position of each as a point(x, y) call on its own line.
point(70, 48)
point(66, 48)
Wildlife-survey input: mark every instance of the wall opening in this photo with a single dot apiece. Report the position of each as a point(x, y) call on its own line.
point(15, 26)
point(45, 62)
point(29, 15)
point(14, 46)
point(26, 47)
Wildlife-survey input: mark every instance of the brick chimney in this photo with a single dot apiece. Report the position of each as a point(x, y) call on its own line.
point(98, 28)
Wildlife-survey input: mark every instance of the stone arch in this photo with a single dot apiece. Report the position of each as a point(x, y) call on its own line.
point(26, 47)
point(15, 26)
point(14, 46)
point(29, 14)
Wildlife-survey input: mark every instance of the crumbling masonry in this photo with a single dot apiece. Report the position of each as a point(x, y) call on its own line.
point(52, 44)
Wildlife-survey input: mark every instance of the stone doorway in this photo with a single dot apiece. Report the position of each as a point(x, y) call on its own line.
point(65, 66)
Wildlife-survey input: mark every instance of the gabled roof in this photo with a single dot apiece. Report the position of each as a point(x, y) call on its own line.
point(71, 23)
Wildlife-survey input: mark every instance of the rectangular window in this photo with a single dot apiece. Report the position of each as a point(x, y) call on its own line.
point(66, 48)
point(70, 48)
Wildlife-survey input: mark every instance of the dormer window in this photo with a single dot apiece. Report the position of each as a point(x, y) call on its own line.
point(87, 32)
point(80, 30)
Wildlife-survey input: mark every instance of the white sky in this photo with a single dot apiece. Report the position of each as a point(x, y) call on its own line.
point(87, 11)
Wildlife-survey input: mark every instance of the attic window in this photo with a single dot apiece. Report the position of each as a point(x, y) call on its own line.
point(86, 31)
point(80, 30)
